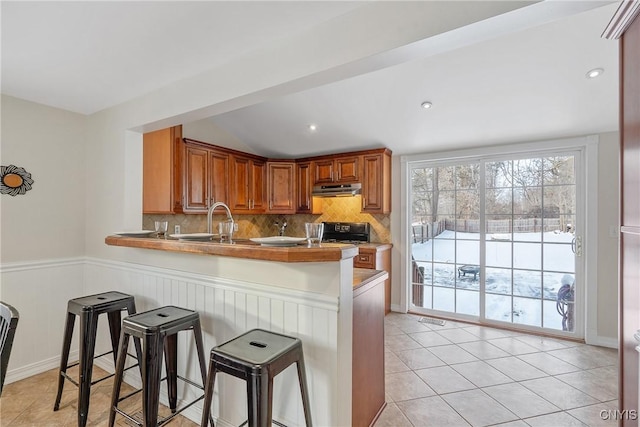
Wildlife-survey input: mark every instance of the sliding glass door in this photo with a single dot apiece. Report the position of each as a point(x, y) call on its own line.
point(495, 240)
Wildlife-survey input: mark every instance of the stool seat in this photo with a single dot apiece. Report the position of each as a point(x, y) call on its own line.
point(88, 308)
point(257, 356)
point(157, 331)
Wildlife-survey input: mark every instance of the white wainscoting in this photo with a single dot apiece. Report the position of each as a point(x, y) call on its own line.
point(39, 290)
point(227, 309)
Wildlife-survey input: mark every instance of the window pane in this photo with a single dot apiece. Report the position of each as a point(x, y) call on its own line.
point(551, 318)
point(527, 283)
point(443, 275)
point(527, 311)
point(443, 299)
point(498, 281)
point(467, 204)
point(422, 179)
point(445, 202)
point(498, 200)
point(498, 227)
point(527, 201)
point(498, 307)
point(444, 178)
point(498, 175)
point(422, 296)
point(552, 283)
point(527, 172)
point(468, 252)
point(559, 199)
point(468, 276)
point(498, 254)
point(558, 257)
point(467, 176)
point(559, 170)
point(444, 250)
point(527, 255)
point(468, 302)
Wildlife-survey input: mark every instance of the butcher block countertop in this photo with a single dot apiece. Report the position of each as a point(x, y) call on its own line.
point(326, 252)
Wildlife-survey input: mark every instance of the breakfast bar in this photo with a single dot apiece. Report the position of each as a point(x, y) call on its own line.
point(310, 292)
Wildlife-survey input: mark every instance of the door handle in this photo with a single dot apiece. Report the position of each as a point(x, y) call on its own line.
point(576, 245)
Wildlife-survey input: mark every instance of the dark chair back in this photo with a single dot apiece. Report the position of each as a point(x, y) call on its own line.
point(8, 322)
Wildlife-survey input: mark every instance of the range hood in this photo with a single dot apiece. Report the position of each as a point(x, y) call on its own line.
point(336, 190)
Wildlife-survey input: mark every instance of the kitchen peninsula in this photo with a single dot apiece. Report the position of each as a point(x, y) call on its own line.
point(313, 293)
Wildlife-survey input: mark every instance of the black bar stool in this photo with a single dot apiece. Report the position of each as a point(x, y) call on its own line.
point(89, 308)
point(158, 330)
point(257, 356)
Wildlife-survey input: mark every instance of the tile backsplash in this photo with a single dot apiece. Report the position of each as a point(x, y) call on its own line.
point(335, 209)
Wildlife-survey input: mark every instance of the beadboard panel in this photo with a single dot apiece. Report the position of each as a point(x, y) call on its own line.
point(39, 290)
point(227, 309)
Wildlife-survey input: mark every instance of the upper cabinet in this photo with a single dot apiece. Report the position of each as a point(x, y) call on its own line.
point(337, 170)
point(188, 176)
point(206, 177)
point(376, 182)
point(281, 187)
point(305, 202)
point(248, 184)
point(162, 171)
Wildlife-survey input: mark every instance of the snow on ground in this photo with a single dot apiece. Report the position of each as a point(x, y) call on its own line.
point(528, 253)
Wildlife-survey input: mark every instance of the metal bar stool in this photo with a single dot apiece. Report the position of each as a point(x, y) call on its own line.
point(158, 331)
point(257, 356)
point(88, 308)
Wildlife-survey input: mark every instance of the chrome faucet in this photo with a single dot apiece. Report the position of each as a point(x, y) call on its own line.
point(210, 214)
point(281, 228)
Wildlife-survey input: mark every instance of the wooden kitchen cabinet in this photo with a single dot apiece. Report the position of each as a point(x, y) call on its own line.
point(377, 256)
point(206, 181)
point(281, 187)
point(337, 170)
point(162, 171)
point(368, 396)
point(248, 185)
point(376, 182)
point(305, 202)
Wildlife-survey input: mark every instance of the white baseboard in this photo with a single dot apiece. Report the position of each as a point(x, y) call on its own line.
point(27, 371)
point(604, 342)
point(397, 308)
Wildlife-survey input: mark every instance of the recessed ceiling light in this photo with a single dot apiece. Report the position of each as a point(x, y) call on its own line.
point(313, 127)
point(592, 74)
point(426, 105)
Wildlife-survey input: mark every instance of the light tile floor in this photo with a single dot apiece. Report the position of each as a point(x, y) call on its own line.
point(467, 375)
point(452, 375)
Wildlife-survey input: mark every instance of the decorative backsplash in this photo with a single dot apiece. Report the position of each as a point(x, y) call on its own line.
point(335, 209)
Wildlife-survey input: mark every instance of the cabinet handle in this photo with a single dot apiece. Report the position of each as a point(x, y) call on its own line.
point(270, 204)
point(364, 202)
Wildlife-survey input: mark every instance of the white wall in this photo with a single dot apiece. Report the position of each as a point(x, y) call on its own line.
point(48, 221)
point(42, 231)
point(608, 234)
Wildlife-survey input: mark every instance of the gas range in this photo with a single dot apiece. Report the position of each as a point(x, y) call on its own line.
point(355, 233)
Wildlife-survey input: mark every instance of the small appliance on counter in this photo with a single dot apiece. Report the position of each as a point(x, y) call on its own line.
point(347, 232)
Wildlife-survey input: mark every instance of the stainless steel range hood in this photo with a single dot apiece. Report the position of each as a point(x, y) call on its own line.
point(336, 190)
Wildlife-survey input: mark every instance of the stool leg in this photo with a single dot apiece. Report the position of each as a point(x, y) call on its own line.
point(171, 367)
point(151, 370)
point(117, 380)
point(114, 330)
point(304, 391)
point(197, 334)
point(64, 357)
point(259, 393)
point(208, 395)
point(131, 309)
point(88, 326)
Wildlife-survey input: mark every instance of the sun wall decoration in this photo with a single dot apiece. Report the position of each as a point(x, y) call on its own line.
point(14, 180)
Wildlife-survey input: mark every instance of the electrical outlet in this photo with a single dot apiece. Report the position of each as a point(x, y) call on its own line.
point(176, 229)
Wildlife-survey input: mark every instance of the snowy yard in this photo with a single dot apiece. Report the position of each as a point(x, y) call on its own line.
point(523, 276)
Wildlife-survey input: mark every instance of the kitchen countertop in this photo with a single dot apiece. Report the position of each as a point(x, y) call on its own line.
point(365, 276)
point(241, 248)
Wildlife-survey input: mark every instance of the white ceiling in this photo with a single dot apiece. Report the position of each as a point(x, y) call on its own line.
point(526, 85)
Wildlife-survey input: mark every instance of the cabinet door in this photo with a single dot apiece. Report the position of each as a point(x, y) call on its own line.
point(323, 171)
point(303, 188)
point(348, 169)
point(219, 177)
point(161, 171)
point(196, 180)
point(257, 186)
point(281, 187)
point(376, 183)
point(239, 185)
